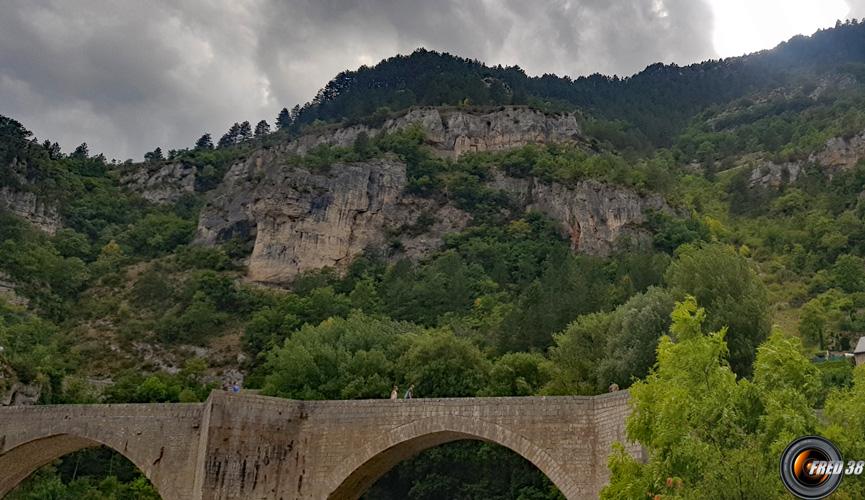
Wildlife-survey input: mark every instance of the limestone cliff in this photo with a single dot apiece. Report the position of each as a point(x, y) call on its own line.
point(29, 207)
point(161, 183)
point(8, 292)
point(595, 217)
point(298, 220)
point(841, 153)
point(775, 175)
point(449, 132)
point(837, 155)
point(454, 131)
point(301, 220)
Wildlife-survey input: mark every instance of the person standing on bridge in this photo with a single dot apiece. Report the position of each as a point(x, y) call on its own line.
point(409, 392)
point(394, 394)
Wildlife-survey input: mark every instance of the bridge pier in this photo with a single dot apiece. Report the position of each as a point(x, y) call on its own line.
point(240, 446)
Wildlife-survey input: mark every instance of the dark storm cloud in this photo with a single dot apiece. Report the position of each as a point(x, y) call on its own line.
point(128, 76)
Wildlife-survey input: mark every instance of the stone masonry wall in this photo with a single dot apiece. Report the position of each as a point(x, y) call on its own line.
point(160, 439)
point(241, 446)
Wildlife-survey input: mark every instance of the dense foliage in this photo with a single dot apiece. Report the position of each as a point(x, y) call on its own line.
point(657, 102)
point(707, 431)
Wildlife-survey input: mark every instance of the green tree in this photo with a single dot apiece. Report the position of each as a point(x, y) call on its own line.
point(82, 152)
point(365, 297)
point(610, 347)
point(340, 358)
point(812, 323)
point(632, 337)
point(577, 353)
point(231, 137)
point(283, 119)
point(518, 374)
point(244, 133)
point(154, 156)
point(568, 287)
point(848, 273)
point(731, 292)
point(262, 128)
point(156, 233)
point(447, 284)
point(204, 143)
point(845, 415)
point(442, 365)
point(707, 432)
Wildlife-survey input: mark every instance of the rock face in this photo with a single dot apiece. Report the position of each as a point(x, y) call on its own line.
point(453, 132)
point(773, 175)
point(162, 183)
point(302, 220)
point(841, 153)
point(26, 205)
point(20, 394)
point(450, 132)
point(838, 154)
point(595, 217)
point(8, 293)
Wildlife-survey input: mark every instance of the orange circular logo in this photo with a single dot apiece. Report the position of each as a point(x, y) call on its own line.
point(811, 468)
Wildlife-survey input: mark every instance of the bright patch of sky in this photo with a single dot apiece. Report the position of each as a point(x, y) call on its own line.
point(744, 26)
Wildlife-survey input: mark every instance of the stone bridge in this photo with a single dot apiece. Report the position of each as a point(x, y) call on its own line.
point(255, 447)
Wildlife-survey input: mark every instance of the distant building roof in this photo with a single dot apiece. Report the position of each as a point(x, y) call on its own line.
point(860, 346)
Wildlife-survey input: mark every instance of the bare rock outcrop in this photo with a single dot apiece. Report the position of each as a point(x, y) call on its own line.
point(774, 175)
point(595, 217)
point(28, 206)
point(453, 132)
point(8, 292)
point(302, 220)
point(20, 394)
point(161, 183)
point(840, 153)
point(299, 220)
point(837, 155)
point(449, 131)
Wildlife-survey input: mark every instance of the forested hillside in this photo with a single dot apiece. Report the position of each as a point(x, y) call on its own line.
point(654, 105)
point(731, 201)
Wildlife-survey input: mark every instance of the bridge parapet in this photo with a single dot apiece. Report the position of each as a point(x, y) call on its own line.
point(245, 446)
point(159, 439)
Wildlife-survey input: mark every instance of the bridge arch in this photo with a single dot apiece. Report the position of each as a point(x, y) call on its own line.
point(357, 474)
point(23, 460)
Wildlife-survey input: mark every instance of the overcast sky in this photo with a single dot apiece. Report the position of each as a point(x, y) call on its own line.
point(126, 76)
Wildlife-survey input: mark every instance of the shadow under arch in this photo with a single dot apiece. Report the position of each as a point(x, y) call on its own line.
point(356, 475)
point(22, 461)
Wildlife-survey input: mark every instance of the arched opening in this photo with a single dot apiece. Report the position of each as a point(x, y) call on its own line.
point(464, 469)
point(377, 459)
point(71, 467)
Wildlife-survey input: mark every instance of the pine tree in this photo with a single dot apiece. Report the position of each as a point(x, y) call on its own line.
point(53, 149)
point(245, 132)
point(154, 156)
point(231, 137)
point(81, 152)
point(283, 120)
point(262, 128)
point(204, 142)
